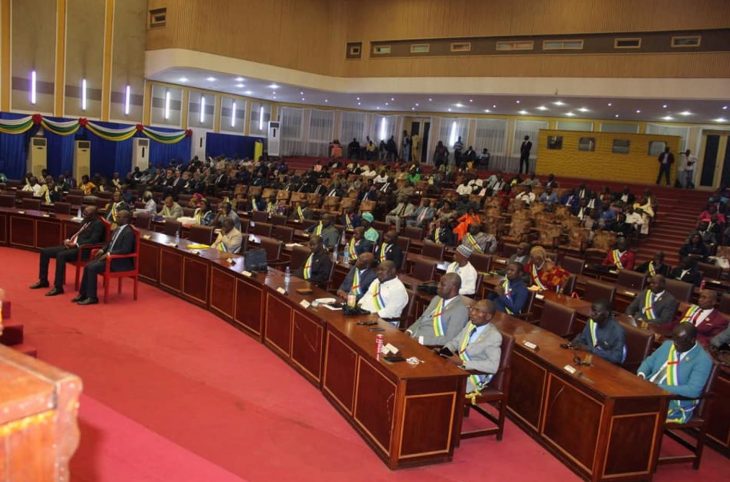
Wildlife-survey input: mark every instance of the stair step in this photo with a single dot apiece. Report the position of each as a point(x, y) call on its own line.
point(12, 333)
point(27, 349)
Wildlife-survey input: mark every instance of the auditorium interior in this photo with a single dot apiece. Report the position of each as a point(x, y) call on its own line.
point(448, 240)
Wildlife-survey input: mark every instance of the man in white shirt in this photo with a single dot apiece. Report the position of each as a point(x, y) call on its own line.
point(464, 189)
point(687, 169)
point(381, 178)
point(633, 218)
point(465, 270)
point(387, 295)
point(526, 196)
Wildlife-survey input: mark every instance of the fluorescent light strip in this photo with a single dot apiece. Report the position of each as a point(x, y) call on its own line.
point(233, 114)
point(83, 94)
point(127, 99)
point(202, 109)
point(261, 117)
point(32, 87)
point(167, 104)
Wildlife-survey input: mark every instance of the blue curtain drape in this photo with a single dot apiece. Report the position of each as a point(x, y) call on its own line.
point(108, 157)
point(14, 149)
point(60, 150)
point(161, 154)
point(229, 145)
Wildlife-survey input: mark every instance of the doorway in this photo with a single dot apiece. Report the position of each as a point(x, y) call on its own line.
point(715, 156)
point(420, 127)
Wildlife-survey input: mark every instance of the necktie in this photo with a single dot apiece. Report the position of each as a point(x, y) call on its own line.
point(471, 333)
point(114, 238)
point(75, 237)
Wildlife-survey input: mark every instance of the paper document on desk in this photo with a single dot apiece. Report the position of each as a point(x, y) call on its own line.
point(333, 308)
point(292, 245)
point(325, 301)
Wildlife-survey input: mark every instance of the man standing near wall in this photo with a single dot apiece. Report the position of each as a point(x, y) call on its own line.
point(687, 170)
point(666, 159)
point(525, 149)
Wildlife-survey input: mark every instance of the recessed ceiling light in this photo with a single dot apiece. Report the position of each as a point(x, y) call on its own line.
point(273, 96)
point(570, 114)
point(413, 108)
point(487, 111)
point(449, 109)
point(377, 108)
point(458, 104)
point(416, 104)
point(667, 118)
point(248, 92)
point(183, 79)
point(664, 106)
point(638, 111)
point(430, 99)
point(523, 112)
point(720, 119)
point(494, 106)
point(301, 92)
point(273, 86)
point(583, 109)
point(517, 101)
point(240, 86)
point(471, 100)
point(210, 79)
point(724, 107)
point(559, 103)
point(239, 79)
point(357, 98)
point(685, 113)
point(392, 99)
point(325, 101)
point(616, 116)
point(358, 103)
point(541, 107)
point(610, 104)
point(387, 103)
point(302, 98)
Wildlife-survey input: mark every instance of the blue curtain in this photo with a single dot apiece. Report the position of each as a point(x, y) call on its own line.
point(229, 145)
point(60, 150)
point(14, 149)
point(161, 154)
point(108, 157)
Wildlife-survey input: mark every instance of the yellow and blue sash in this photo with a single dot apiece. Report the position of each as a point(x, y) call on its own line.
point(383, 249)
point(536, 278)
point(438, 319)
point(437, 236)
point(508, 295)
point(593, 326)
point(356, 282)
point(616, 255)
point(691, 315)
point(648, 309)
point(652, 270)
point(307, 271)
point(300, 213)
point(378, 297)
point(351, 248)
point(473, 243)
point(680, 411)
point(348, 221)
point(318, 229)
point(477, 380)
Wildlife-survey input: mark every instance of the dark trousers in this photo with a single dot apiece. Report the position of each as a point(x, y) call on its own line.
point(62, 255)
point(664, 170)
point(88, 280)
point(525, 161)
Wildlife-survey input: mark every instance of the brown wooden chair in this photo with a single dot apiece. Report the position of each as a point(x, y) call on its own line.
point(299, 255)
point(424, 270)
point(283, 233)
point(7, 200)
point(188, 212)
point(74, 199)
point(724, 305)
point(631, 280)
point(143, 221)
point(709, 270)
point(433, 250)
point(30, 204)
point(695, 428)
point(408, 315)
point(62, 208)
point(413, 232)
point(598, 290)
point(527, 309)
point(201, 234)
point(273, 247)
point(557, 318)
point(573, 265)
point(405, 244)
point(638, 345)
point(681, 290)
point(171, 227)
point(278, 219)
point(508, 249)
point(569, 286)
point(259, 216)
point(260, 229)
point(481, 262)
point(496, 393)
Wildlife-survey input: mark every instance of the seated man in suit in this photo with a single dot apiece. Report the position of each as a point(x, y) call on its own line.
point(479, 241)
point(387, 295)
point(680, 366)
point(226, 211)
point(358, 244)
point(477, 347)
point(511, 294)
point(326, 230)
point(91, 232)
point(442, 234)
point(389, 250)
point(350, 219)
point(316, 268)
point(300, 211)
point(705, 317)
point(445, 316)
point(602, 335)
point(114, 206)
point(422, 216)
point(465, 270)
point(654, 304)
point(171, 209)
point(687, 271)
point(122, 242)
point(229, 238)
point(655, 265)
point(402, 210)
point(359, 278)
point(620, 257)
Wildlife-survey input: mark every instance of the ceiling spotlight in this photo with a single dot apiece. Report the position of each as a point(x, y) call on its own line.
point(302, 98)
point(377, 108)
point(616, 116)
point(458, 104)
point(449, 109)
point(582, 109)
point(183, 79)
point(248, 92)
point(416, 104)
point(273, 86)
point(413, 108)
point(430, 99)
point(541, 107)
point(387, 103)
point(325, 101)
point(559, 103)
point(685, 113)
point(638, 111)
point(720, 119)
point(240, 86)
point(301, 92)
point(471, 100)
point(392, 99)
point(664, 106)
point(570, 114)
point(610, 104)
point(239, 79)
point(494, 106)
point(487, 111)
point(517, 101)
point(724, 107)
point(357, 98)
point(667, 118)
point(358, 103)
point(210, 79)
point(523, 112)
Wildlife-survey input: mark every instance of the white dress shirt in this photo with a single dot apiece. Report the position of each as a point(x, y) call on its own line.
point(394, 298)
point(468, 275)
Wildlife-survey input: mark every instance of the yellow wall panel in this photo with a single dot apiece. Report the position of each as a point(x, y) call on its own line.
point(128, 58)
point(602, 163)
point(84, 55)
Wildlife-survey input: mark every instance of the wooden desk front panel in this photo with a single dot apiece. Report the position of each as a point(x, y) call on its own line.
point(149, 262)
point(375, 399)
point(719, 424)
point(430, 418)
point(171, 269)
point(527, 389)
point(3, 228)
point(340, 370)
point(634, 431)
point(307, 345)
point(278, 325)
point(22, 231)
point(249, 306)
point(48, 233)
point(195, 279)
point(222, 292)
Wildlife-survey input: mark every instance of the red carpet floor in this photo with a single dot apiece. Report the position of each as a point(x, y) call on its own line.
point(173, 393)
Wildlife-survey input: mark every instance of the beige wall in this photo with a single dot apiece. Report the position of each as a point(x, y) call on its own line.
point(84, 56)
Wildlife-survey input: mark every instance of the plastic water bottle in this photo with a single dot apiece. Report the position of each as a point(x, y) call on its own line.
point(287, 278)
point(351, 299)
point(78, 213)
point(177, 237)
point(334, 255)
point(346, 256)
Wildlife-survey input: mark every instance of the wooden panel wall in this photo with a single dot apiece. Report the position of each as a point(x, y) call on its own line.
point(130, 17)
point(602, 163)
point(84, 56)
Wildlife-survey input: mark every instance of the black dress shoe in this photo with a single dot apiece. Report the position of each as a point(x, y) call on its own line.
point(88, 301)
point(39, 284)
point(55, 291)
point(77, 298)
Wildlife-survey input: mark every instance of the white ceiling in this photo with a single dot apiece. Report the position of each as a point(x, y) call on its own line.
point(624, 108)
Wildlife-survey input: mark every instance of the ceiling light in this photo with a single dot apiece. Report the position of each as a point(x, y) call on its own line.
point(357, 98)
point(570, 114)
point(720, 119)
point(667, 118)
point(523, 112)
point(358, 103)
point(392, 99)
point(724, 107)
point(273, 86)
point(610, 104)
point(616, 116)
point(471, 100)
point(416, 104)
point(458, 104)
point(664, 106)
point(449, 109)
point(377, 108)
point(302, 98)
point(541, 107)
point(325, 101)
point(387, 103)
point(559, 103)
point(517, 101)
point(487, 111)
point(210, 79)
point(248, 92)
point(430, 99)
point(183, 79)
point(638, 111)
point(240, 86)
point(583, 109)
point(494, 106)
point(239, 79)
point(301, 93)
point(413, 108)
point(685, 113)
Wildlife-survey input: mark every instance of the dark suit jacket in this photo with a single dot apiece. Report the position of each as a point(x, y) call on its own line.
point(693, 276)
point(93, 234)
point(664, 308)
point(366, 279)
point(446, 237)
point(393, 253)
point(321, 265)
point(662, 270)
point(124, 245)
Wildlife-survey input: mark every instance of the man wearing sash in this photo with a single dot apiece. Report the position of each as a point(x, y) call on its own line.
point(680, 366)
point(620, 257)
point(113, 208)
point(444, 317)
point(654, 304)
point(357, 244)
point(511, 294)
point(479, 241)
point(602, 335)
point(229, 238)
point(359, 278)
point(654, 266)
point(703, 316)
point(389, 250)
point(317, 266)
point(326, 230)
point(387, 295)
point(477, 347)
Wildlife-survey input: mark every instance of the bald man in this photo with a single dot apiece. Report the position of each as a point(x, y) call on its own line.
point(705, 317)
point(360, 276)
point(444, 317)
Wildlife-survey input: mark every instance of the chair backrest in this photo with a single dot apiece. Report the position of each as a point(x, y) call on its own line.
point(424, 270)
point(30, 203)
point(261, 229)
point(508, 249)
point(413, 232)
point(201, 234)
point(62, 208)
point(709, 270)
point(681, 290)
point(284, 233)
point(569, 286)
point(638, 345)
point(404, 244)
point(308, 222)
point(7, 200)
point(382, 226)
point(278, 219)
point(481, 262)
point(433, 250)
point(74, 199)
point(724, 305)
point(598, 290)
point(707, 398)
point(299, 255)
point(408, 315)
point(631, 280)
point(273, 247)
point(501, 380)
point(557, 318)
point(188, 212)
point(573, 265)
point(259, 216)
point(170, 227)
point(143, 220)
